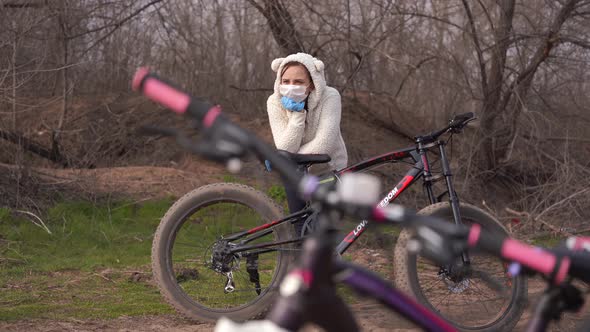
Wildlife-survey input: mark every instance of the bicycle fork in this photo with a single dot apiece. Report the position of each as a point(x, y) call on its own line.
point(453, 198)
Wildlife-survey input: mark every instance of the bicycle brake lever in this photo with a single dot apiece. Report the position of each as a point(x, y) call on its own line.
point(436, 246)
point(439, 241)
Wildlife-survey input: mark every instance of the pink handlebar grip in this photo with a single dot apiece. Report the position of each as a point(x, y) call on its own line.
point(138, 77)
point(539, 260)
point(160, 92)
point(535, 258)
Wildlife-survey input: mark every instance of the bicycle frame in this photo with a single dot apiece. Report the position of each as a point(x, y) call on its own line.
point(420, 169)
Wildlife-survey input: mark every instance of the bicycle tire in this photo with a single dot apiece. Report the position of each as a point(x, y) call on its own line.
point(167, 265)
point(407, 278)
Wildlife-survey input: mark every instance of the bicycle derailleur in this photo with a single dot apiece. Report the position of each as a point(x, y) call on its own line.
point(223, 261)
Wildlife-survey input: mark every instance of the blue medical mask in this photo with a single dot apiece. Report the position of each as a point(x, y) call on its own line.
point(292, 105)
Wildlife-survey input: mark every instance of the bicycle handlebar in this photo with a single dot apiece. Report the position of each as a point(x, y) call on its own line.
point(455, 124)
point(452, 239)
point(554, 264)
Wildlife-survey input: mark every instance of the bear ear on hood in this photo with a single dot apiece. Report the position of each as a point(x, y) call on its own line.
point(276, 63)
point(319, 65)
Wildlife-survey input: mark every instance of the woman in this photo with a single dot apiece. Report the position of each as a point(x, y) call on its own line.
point(304, 113)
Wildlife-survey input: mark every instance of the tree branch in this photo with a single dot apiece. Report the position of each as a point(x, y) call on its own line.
point(118, 25)
point(235, 87)
point(482, 65)
point(574, 41)
point(29, 4)
point(522, 83)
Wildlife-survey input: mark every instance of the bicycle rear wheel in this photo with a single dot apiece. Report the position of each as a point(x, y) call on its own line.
point(462, 297)
point(191, 257)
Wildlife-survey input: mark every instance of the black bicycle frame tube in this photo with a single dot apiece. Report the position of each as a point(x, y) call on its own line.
point(411, 176)
point(392, 156)
point(263, 245)
point(448, 178)
point(262, 251)
point(294, 217)
point(263, 230)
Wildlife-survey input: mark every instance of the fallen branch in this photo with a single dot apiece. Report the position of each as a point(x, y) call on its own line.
point(39, 223)
point(483, 202)
point(29, 145)
point(103, 277)
point(536, 218)
point(6, 259)
point(583, 230)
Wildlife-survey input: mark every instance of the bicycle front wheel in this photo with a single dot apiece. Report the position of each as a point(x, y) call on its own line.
point(465, 298)
point(192, 262)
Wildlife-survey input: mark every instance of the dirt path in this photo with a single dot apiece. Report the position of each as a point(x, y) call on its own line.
point(371, 317)
point(122, 324)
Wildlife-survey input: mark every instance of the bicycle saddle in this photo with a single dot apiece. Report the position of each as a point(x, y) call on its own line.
point(305, 159)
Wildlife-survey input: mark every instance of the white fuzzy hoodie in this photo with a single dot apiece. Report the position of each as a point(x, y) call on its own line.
point(316, 131)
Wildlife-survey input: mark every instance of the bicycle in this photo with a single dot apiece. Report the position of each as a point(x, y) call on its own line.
point(268, 239)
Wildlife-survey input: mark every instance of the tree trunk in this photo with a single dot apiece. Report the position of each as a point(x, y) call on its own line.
point(281, 25)
point(492, 92)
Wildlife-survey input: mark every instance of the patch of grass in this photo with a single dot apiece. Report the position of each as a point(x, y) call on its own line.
point(4, 213)
point(278, 194)
point(348, 294)
point(547, 241)
point(85, 236)
point(63, 274)
point(230, 178)
point(84, 268)
point(77, 294)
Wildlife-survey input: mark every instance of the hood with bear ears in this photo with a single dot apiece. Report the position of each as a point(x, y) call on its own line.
point(316, 70)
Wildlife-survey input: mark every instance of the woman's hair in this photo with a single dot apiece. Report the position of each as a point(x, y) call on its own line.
point(295, 63)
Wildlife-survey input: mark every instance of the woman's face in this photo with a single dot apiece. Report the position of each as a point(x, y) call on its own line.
point(297, 75)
